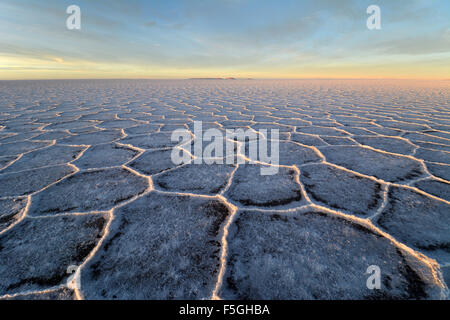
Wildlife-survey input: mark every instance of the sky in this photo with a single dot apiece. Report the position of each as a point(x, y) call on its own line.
point(224, 38)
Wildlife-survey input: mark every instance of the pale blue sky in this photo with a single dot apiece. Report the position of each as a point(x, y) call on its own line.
point(269, 39)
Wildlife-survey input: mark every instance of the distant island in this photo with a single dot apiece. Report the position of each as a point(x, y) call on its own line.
point(228, 78)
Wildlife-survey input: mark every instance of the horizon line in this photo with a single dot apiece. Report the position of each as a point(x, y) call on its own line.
point(226, 79)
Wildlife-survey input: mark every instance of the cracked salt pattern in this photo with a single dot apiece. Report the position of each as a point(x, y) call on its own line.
point(86, 180)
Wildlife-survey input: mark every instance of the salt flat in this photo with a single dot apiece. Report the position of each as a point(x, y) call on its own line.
point(91, 205)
